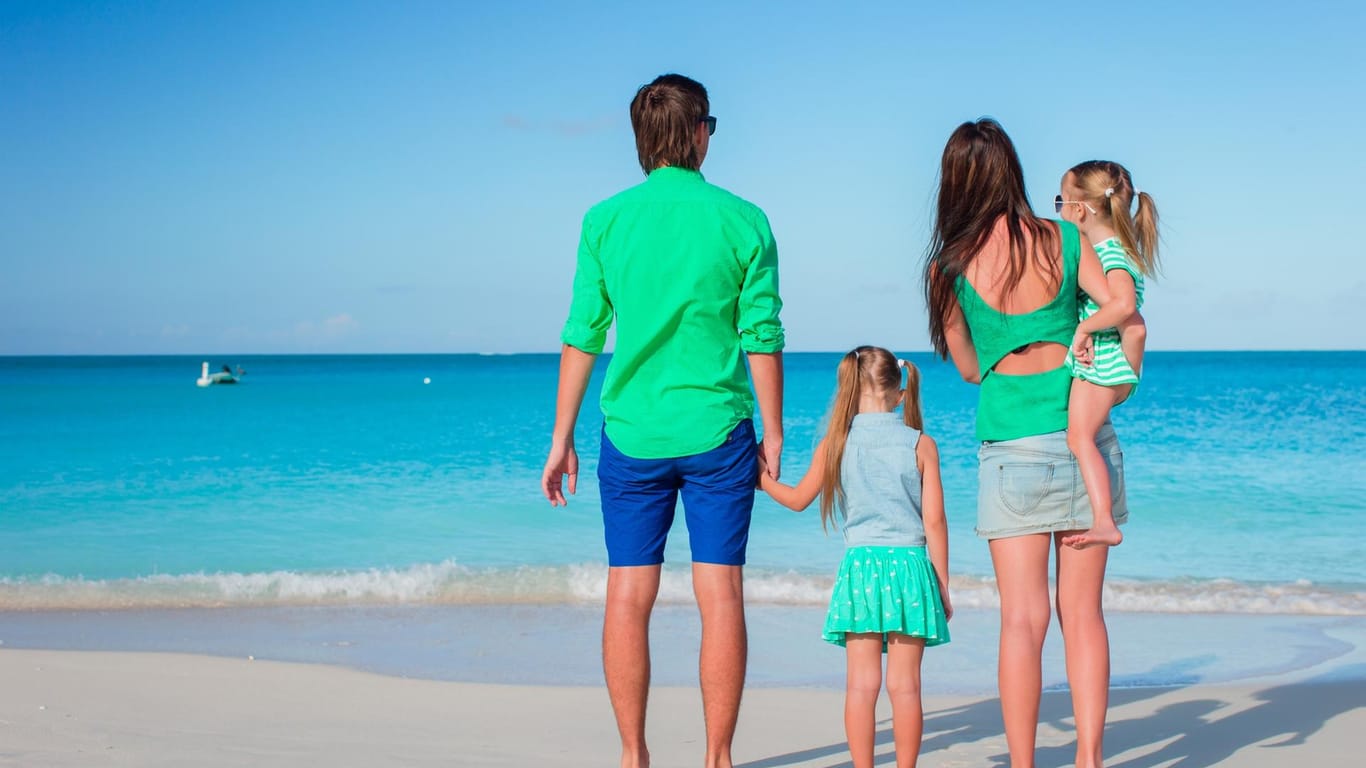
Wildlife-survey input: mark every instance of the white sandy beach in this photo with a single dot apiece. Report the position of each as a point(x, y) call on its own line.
point(62, 708)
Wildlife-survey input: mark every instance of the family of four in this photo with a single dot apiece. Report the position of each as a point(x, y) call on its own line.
point(1041, 314)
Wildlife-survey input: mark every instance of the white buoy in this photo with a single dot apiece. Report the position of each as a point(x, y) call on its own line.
point(427, 380)
point(204, 379)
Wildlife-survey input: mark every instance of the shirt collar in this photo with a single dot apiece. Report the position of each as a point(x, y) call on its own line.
point(878, 417)
point(670, 174)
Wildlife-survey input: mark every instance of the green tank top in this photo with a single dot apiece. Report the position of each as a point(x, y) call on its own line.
point(1009, 406)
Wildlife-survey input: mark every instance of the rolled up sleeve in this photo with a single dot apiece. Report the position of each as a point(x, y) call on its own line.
point(760, 329)
point(590, 309)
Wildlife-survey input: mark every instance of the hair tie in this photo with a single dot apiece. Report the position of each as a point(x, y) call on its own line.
point(1137, 191)
point(902, 363)
point(1109, 191)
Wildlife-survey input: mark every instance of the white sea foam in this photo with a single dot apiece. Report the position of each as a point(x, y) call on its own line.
point(451, 583)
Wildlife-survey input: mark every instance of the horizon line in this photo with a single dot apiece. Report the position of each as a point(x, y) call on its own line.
point(10, 355)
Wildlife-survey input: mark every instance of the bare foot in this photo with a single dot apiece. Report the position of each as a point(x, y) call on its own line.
point(1097, 536)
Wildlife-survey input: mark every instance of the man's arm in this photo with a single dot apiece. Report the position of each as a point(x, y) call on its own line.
point(585, 332)
point(767, 371)
point(762, 339)
point(576, 366)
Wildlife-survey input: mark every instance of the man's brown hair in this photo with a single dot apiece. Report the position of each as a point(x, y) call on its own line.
point(664, 116)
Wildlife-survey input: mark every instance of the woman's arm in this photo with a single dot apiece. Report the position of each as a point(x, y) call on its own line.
point(932, 513)
point(799, 497)
point(961, 351)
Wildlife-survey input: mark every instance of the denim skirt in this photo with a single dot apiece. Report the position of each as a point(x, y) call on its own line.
point(1033, 485)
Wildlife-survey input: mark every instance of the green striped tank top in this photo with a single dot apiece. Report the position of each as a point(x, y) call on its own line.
point(1010, 407)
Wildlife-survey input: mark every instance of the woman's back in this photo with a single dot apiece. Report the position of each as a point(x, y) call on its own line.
point(1021, 333)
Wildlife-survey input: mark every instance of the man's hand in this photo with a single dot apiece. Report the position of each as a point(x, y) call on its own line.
point(563, 460)
point(771, 455)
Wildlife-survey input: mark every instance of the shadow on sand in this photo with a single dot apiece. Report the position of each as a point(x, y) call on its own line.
point(1184, 734)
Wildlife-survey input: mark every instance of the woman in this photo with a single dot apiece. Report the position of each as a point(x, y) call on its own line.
point(1001, 287)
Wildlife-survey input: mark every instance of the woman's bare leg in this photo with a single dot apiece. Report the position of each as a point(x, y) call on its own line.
point(1021, 565)
point(1080, 577)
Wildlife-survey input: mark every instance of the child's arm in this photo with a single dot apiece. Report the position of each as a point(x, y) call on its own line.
point(932, 513)
point(1112, 291)
point(1133, 338)
point(799, 497)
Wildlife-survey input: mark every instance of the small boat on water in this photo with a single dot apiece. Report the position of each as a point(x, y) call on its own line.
point(225, 376)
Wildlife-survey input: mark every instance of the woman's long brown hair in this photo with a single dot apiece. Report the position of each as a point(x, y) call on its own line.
point(981, 182)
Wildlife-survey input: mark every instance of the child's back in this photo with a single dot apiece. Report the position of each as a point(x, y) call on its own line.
point(881, 483)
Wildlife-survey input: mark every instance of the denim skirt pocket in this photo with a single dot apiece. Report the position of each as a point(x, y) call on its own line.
point(1022, 486)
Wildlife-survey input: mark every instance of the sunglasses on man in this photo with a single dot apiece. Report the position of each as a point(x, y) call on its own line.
point(711, 124)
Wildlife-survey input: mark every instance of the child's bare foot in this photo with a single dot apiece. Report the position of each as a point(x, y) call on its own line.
point(1097, 536)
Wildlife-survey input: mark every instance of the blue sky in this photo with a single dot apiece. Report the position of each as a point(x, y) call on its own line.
point(410, 177)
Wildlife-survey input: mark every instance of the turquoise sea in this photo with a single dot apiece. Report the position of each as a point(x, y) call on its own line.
point(348, 485)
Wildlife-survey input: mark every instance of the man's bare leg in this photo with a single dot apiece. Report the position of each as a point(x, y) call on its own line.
point(721, 666)
point(631, 596)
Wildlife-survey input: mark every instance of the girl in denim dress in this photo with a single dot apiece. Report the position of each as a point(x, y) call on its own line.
point(881, 474)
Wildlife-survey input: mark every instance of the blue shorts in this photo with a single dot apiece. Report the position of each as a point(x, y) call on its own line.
point(639, 497)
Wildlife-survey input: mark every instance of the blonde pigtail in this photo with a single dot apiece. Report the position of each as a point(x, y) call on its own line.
point(847, 393)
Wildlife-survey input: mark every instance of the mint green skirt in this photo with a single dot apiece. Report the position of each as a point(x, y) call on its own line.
point(886, 589)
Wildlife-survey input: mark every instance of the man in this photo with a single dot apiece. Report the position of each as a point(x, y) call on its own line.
point(689, 272)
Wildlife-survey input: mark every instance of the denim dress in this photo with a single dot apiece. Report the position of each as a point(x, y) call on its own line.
point(885, 582)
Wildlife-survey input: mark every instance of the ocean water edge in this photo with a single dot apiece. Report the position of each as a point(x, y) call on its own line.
point(381, 483)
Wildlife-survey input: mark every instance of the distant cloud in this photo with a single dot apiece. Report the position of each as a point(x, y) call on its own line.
point(328, 329)
point(175, 331)
point(568, 128)
point(339, 325)
point(582, 127)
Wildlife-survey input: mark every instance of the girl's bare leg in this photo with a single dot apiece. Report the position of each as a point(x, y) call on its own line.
point(1021, 565)
point(903, 688)
point(1087, 411)
point(1080, 576)
point(863, 682)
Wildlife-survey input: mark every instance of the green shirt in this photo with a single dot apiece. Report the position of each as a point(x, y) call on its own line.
point(689, 272)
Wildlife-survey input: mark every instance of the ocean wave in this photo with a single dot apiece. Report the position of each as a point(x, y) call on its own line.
point(453, 584)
